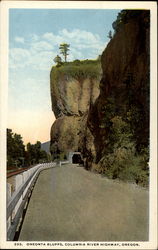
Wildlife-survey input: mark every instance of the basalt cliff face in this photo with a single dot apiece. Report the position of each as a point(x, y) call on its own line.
point(72, 92)
point(119, 119)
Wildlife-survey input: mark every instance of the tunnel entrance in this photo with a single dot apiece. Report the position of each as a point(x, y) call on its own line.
point(76, 158)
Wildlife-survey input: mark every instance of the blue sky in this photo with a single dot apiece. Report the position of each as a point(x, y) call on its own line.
point(34, 39)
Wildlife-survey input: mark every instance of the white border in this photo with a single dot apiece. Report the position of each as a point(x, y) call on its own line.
point(5, 5)
point(80, 4)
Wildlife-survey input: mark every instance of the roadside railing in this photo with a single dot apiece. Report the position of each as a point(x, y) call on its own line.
point(63, 162)
point(18, 199)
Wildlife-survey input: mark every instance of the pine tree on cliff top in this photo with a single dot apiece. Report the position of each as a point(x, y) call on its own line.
point(64, 48)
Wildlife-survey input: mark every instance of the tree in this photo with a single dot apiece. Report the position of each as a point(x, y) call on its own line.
point(15, 149)
point(34, 153)
point(110, 34)
point(58, 60)
point(17, 156)
point(64, 48)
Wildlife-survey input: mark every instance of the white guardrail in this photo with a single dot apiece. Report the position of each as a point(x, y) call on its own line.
point(63, 162)
point(19, 192)
point(17, 200)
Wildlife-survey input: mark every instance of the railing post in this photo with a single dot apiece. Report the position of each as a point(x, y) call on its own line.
point(8, 197)
point(18, 183)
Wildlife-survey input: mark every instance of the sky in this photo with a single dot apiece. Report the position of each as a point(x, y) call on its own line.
point(34, 39)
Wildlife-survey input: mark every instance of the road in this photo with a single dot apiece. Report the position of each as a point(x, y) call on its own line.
point(71, 204)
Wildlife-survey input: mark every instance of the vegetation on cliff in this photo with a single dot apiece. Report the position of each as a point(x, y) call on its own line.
point(120, 157)
point(77, 69)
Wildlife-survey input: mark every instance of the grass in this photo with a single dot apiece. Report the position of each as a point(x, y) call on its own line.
point(77, 69)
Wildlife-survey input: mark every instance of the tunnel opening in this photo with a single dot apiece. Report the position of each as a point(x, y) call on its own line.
point(76, 159)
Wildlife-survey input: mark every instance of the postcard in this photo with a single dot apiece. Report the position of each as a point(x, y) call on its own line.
point(78, 125)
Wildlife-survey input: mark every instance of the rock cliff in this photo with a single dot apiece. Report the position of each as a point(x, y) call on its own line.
point(119, 119)
point(108, 122)
point(74, 86)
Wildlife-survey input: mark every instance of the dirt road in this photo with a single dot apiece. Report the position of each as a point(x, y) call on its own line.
point(71, 204)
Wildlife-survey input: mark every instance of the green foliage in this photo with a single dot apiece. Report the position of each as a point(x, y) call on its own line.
point(64, 48)
point(58, 61)
point(15, 149)
point(54, 151)
point(120, 159)
point(137, 118)
point(77, 62)
point(17, 156)
point(34, 154)
point(124, 139)
point(108, 112)
point(78, 70)
point(62, 156)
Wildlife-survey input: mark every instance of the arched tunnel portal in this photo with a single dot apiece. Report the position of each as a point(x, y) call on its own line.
point(75, 158)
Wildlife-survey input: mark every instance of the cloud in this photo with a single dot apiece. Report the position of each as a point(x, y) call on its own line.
point(75, 54)
point(42, 60)
point(39, 56)
point(34, 37)
point(54, 39)
point(41, 46)
point(82, 39)
point(19, 57)
point(40, 51)
point(79, 39)
point(19, 39)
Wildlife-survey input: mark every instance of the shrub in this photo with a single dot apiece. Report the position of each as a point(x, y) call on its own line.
point(120, 159)
point(76, 62)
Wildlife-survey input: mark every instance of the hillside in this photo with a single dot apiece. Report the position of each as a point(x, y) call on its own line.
point(46, 146)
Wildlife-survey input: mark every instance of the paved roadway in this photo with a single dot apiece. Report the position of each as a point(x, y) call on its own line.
point(71, 204)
